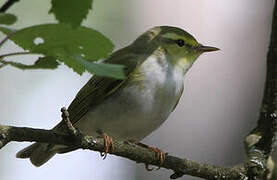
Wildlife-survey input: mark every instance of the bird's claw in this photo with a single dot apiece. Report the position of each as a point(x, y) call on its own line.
point(148, 168)
point(159, 154)
point(109, 146)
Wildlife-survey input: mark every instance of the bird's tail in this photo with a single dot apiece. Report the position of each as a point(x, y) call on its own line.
point(39, 153)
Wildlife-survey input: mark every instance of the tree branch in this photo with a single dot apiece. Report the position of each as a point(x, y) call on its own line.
point(136, 153)
point(262, 139)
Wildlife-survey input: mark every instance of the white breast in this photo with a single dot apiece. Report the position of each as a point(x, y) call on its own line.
point(139, 108)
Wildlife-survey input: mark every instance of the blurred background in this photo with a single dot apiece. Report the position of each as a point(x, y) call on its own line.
point(219, 106)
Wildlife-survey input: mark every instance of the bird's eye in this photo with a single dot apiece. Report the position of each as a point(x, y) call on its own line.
point(180, 42)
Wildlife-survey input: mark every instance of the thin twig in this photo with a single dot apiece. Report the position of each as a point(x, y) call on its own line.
point(65, 116)
point(7, 38)
point(16, 54)
point(7, 5)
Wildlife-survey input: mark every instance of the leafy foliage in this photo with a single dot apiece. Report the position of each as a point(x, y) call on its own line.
point(102, 69)
point(61, 41)
point(7, 19)
point(68, 42)
point(71, 11)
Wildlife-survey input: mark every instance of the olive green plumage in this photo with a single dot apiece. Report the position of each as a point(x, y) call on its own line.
point(155, 64)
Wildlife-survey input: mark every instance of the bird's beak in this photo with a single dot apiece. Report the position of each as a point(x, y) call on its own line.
point(207, 48)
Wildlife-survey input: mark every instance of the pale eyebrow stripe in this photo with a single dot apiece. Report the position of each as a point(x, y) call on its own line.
point(175, 36)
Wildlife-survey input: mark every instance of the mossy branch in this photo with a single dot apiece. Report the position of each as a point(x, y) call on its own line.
point(261, 140)
point(133, 152)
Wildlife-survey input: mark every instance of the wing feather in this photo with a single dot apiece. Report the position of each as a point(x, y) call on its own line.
point(98, 88)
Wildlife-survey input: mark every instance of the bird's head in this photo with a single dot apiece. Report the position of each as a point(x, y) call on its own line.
point(180, 46)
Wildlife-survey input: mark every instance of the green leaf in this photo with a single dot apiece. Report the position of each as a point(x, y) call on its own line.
point(102, 69)
point(61, 41)
point(71, 11)
point(41, 63)
point(7, 19)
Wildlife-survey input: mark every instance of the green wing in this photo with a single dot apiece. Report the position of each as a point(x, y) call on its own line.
point(98, 88)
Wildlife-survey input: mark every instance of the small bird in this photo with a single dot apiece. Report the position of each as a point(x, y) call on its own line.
point(130, 109)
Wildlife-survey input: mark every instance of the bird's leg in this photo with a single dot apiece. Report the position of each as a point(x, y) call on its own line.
point(108, 143)
point(159, 154)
